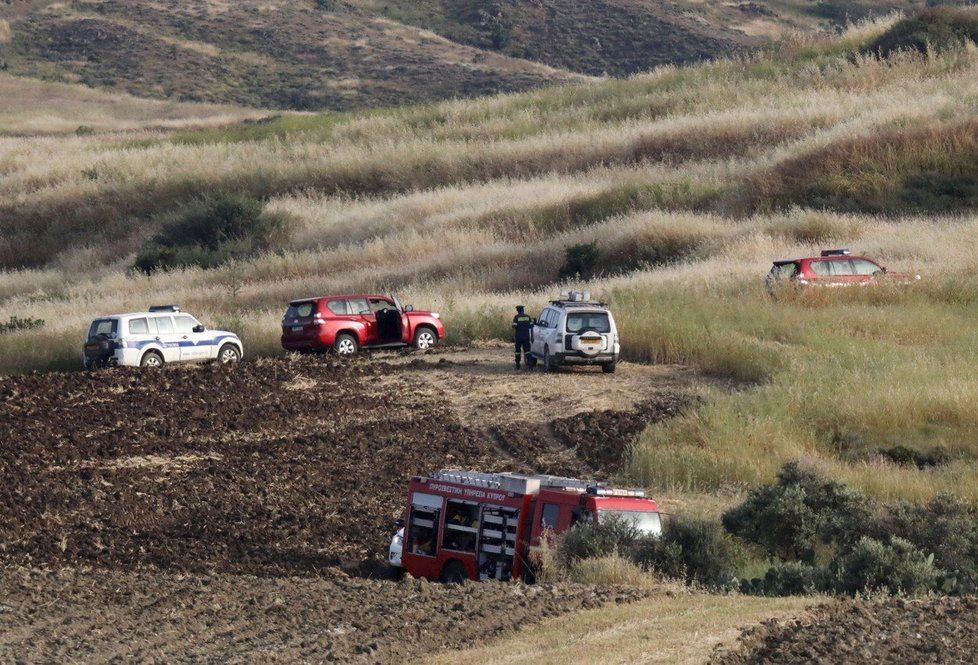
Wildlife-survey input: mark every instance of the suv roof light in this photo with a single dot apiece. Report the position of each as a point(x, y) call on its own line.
point(611, 491)
point(836, 252)
point(164, 308)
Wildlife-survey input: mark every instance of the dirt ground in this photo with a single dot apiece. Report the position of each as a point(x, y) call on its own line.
point(858, 631)
point(237, 513)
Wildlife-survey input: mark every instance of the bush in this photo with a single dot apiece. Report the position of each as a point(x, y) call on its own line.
point(938, 29)
point(792, 578)
point(897, 567)
point(947, 528)
point(210, 232)
point(790, 518)
point(589, 541)
point(16, 323)
point(694, 550)
point(580, 261)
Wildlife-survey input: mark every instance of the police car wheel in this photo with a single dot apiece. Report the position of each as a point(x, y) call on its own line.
point(151, 359)
point(228, 354)
point(345, 345)
point(609, 368)
point(549, 362)
point(424, 338)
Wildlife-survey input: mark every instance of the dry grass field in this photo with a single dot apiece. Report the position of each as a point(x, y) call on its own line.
point(689, 181)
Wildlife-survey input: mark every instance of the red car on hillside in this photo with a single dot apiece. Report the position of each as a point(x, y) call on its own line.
point(834, 267)
point(345, 324)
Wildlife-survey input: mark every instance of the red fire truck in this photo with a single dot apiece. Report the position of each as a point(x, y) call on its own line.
point(465, 524)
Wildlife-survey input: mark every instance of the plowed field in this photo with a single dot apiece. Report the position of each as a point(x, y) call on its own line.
point(248, 504)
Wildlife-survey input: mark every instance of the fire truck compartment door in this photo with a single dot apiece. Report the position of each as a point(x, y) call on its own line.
point(423, 500)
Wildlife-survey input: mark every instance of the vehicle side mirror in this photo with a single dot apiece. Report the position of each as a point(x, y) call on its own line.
point(409, 308)
point(399, 523)
point(199, 328)
point(364, 312)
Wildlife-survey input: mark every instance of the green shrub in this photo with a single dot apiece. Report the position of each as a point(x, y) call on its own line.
point(791, 578)
point(212, 231)
point(937, 28)
point(947, 528)
point(873, 565)
point(580, 261)
point(695, 550)
point(790, 518)
point(16, 324)
point(588, 541)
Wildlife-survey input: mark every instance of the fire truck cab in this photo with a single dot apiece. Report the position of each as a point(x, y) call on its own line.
point(465, 524)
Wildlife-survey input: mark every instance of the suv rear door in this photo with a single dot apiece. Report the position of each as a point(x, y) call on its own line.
point(166, 335)
point(543, 331)
point(298, 325)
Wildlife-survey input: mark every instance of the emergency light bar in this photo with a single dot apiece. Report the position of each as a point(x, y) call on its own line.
point(836, 252)
point(164, 308)
point(608, 491)
point(575, 296)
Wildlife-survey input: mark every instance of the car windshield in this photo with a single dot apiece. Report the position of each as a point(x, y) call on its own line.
point(581, 321)
point(645, 521)
point(106, 327)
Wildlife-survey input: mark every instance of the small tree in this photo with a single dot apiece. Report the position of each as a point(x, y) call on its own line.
point(580, 261)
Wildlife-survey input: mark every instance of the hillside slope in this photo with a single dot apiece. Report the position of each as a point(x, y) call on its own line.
point(261, 54)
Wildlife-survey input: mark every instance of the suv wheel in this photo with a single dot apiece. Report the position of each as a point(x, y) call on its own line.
point(609, 368)
point(228, 354)
point(424, 338)
point(549, 362)
point(151, 359)
point(345, 345)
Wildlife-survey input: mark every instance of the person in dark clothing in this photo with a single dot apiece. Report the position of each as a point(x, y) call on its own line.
point(522, 325)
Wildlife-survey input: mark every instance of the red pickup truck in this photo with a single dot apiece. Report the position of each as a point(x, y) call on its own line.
point(347, 324)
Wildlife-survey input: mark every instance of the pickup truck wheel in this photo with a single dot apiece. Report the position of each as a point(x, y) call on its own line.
point(228, 354)
point(345, 345)
point(151, 359)
point(453, 573)
point(424, 338)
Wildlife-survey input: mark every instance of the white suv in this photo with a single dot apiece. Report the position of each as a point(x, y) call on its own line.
point(163, 334)
point(575, 331)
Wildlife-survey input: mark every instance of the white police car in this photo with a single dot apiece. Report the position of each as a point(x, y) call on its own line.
point(163, 334)
point(575, 330)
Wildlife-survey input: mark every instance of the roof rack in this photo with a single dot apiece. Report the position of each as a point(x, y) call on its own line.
point(576, 298)
point(526, 484)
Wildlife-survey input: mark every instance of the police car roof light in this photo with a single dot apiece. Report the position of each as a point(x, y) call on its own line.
point(164, 308)
point(836, 252)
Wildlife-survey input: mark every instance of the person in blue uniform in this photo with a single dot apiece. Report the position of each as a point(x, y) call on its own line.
point(522, 325)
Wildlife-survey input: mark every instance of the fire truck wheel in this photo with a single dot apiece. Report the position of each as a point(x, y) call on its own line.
point(453, 573)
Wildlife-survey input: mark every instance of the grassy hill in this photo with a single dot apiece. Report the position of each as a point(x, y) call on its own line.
point(688, 181)
point(352, 54)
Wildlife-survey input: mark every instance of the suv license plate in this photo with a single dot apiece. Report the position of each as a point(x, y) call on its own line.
point(91, 347)
point(296, 328)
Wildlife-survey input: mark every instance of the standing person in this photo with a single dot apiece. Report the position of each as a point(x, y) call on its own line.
point(522, 325)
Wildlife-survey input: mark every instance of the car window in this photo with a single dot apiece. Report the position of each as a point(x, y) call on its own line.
point(105, 327)
point(549, 518)
point(337, 307)
point(358, 306)
point(379, 305)
point(821, 268)
point(184, 323)
point(864, 267)
point(784, 270)
point(546, 318)
point(164, 325)
point(581, 321)
point(841, 268)
point(138, 326)
point(151, 324)
point(300, 310)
